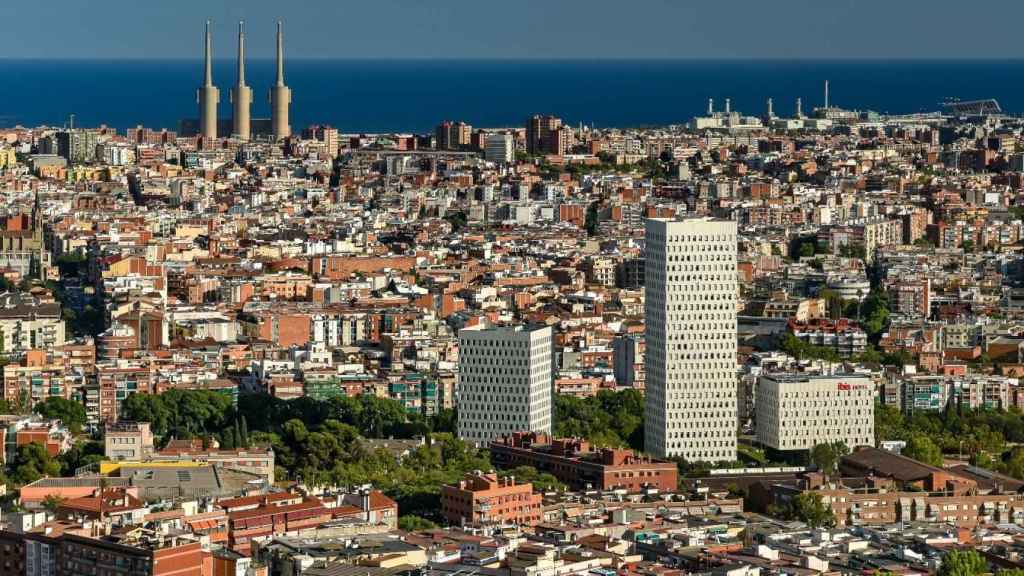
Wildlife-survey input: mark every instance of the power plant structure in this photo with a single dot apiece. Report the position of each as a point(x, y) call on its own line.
point(241, 95)
point(241, 125)
point(208, 95)
point(280, 95)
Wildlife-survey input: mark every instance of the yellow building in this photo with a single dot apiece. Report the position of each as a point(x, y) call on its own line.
point(7, 157)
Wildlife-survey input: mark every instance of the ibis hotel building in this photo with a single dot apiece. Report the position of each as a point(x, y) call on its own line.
point(800, 411)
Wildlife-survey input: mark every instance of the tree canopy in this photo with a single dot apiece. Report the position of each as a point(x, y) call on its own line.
point(826, 456)
point(962, 563)
point(32, 462)
point(990, 436)
point(807, 507)
point(610, 418)
point(70, 413)
point(921, 448)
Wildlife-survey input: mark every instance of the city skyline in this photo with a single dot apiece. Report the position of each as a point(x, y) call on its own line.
point(399, 29)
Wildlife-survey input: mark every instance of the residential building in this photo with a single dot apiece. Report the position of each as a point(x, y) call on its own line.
point(486, 499)
point(628, 360)
point(131, 441)
point(453, 135)
point(843, 335)
point(582, 466)
point(35, 378)
point(27, 323)
point(500, 147)
point(546, 135)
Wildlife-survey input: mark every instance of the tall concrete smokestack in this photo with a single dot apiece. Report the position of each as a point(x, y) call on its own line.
point(771, 109)
point(799, 108)
point(280, 95)
point(826, 95)
point(241, 95)
point(208, 95)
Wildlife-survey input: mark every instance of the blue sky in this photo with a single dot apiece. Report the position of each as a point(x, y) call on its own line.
point(519, 28)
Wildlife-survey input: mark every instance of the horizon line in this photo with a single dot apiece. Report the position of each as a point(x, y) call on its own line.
point(529, 58)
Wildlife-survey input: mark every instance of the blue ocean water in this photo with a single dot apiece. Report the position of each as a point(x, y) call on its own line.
point(413, 95)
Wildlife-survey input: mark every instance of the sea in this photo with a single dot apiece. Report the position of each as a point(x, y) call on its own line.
point(368, 96)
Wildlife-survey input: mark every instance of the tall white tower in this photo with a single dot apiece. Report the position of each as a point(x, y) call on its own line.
point(280, 95)
point(690, 361)
point(241, 95)
point(208, 95)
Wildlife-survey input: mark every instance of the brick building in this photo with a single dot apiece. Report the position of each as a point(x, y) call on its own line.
point(581, 466)
point(487, 499)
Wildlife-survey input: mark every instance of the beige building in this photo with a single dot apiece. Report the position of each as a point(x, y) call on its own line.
point(800, 411)
point(131, 441)
point(690, 354)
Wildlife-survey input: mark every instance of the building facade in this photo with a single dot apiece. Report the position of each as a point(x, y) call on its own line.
point(582, 466)
point(500, 148)
point(798, 411)
point(487, 499)
point(130, 441)
point(690, 355)
point(505, 382)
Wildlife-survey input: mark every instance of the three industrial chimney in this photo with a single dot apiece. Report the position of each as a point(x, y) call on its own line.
point(208, 95)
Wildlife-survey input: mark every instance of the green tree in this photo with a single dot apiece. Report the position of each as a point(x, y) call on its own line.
point(457, 220)
point(227, 438)
point(32, 462)
point(81, 453)
point(826, 456)
point(921, 448)
point(870, 355)
point(962, 563)
point(875, 315)
point(8, 407)
point(411, 523)
point(593, 218)
point(808, 507)
point(181, 413)
point(613, 419)
point(244, 432)
point(889, 423)
point(70, 413)
point(52, 502)
point(445, 420)
point(542, 481)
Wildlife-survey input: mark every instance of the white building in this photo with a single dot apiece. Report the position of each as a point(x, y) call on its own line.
point(800, 411)
point(505, 382)
point(500, 147)
point(690, 357)
point(26, 323)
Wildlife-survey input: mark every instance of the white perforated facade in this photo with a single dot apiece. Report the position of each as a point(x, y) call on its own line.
point(690, 305)
point(505, 382)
